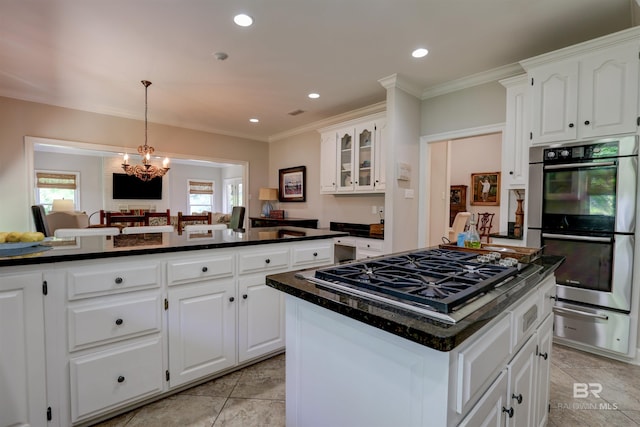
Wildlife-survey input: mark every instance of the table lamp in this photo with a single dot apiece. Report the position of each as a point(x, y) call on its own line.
point(63, 205)
point(266, 195)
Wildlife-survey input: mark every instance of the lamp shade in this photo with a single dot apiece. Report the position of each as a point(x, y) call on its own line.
point(268, 194)
point(63, 205)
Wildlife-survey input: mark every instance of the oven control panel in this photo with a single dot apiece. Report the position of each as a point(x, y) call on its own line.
point(581, 152)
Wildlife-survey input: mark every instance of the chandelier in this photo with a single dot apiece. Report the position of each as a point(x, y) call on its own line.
point(146, 171)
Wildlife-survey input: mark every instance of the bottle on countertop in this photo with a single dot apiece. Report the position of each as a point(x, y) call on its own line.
point(472, 239)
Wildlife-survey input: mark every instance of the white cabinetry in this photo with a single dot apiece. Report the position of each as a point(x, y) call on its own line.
point(352, 157)
point(363, 247)
point(587, 91)
point(23, 400)
point(515, 146)
point(113, 329)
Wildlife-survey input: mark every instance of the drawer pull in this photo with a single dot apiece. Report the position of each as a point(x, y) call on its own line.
point(315, 254)
point(508, 411)
point(517, 397)
point(587, 122)
point(245, 296)
point(119, 280)
point(205, 269)
point(267, 260)
point(543, 355)
point(119, 322)
point(231, 299)
point(120, 379)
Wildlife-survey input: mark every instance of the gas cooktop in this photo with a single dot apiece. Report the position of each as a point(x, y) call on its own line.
point(436, 282)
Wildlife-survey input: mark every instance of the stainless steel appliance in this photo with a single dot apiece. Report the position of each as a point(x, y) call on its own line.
point(444, 284)
point(582, 206)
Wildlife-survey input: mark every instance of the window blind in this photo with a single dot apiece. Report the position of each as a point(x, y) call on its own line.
point(200, 187)
point(55, 180)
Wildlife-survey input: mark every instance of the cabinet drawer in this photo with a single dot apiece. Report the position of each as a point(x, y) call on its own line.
point(370, 245)
point(102, 381)
point(345, 241)
point(312, 254)
point(85, 282)
point(99, 324)
point(480, 362)
point(547, 296)
point(526, 317)
point(203, 268)
point(264, 260)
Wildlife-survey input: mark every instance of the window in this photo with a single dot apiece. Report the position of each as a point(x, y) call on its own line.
point(51, 185)
point(232, 193)
point(200, 196)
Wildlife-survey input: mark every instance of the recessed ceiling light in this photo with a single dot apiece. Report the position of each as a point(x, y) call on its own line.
point(254, 120)
point(314, 95)
point(419, 53)
point(243, 20)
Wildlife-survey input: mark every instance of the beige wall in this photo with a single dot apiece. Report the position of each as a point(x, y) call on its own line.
point(304, 150)
point(20, 118)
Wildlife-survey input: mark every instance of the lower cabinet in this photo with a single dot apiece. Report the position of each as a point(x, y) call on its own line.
point(489, 410)
point(109, 378)
point(202, 329)
point(23, 400)
point(261, 322)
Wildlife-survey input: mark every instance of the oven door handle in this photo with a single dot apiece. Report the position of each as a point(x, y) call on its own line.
point(579, 165)
point(563, 310)
point(578, 238)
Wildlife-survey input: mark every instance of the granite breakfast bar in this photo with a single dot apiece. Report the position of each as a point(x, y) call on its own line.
point(356, 361)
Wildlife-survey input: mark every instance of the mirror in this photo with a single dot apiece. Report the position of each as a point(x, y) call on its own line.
point(95, 165)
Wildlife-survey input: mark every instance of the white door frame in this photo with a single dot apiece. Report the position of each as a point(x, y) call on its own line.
point(423, 190)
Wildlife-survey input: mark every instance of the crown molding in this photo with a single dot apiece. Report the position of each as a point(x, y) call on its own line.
point(488, 76)
point(397, 81)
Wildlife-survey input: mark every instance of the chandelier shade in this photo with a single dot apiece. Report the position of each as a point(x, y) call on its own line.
point(145, 171)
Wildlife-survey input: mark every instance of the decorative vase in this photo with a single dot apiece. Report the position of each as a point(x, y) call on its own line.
point(517, 229)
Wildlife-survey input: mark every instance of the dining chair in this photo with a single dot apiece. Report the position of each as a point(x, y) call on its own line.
point(40, 220)
point(203, 218)
point(237, 218)
point(157, 218)
point(485, 222)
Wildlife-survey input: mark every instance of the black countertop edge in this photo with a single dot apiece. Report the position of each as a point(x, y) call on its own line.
point(48, 257)
point(420, 329)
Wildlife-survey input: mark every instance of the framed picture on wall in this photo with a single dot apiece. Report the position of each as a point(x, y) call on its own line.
point(293, 183)
point(485, 189)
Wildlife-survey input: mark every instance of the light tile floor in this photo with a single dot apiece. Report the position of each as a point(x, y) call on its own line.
point(618, 404)
point(255, 396)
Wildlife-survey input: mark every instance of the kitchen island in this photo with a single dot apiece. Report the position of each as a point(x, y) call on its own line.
point(356, 361)
point(98, 325)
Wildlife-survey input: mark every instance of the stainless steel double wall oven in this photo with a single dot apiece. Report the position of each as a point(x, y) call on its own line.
point(582, 206)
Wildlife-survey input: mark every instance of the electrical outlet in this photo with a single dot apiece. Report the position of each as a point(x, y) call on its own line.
point(374, 210)
point(381, 210)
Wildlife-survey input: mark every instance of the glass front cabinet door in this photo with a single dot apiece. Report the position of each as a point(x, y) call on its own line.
point(346, 156)
point(364, 158)
point(356, 156)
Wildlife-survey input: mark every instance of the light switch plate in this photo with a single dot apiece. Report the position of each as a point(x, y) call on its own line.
point(408, 193)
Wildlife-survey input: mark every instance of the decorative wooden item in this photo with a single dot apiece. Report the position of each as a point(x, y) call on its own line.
point(457, 201)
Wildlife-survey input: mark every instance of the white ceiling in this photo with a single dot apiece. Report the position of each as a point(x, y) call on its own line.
point(91, 54)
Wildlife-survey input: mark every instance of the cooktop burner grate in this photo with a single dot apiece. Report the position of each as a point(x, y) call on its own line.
point(439, 278)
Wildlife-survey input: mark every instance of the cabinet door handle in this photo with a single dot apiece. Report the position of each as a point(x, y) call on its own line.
point(120, 379)
point(245, 296)
point(315, 254)
point(587, 122)
point(267, 260)
point(231, 299)
point(543, 355)
point(570, 125)
point(510, 172)
point(508, 411)
point(119, 322)
point(205, 269)
point(119, 280)
point(517, 397)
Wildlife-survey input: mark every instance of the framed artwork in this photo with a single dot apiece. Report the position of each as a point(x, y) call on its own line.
point(293, 183)
point(485, 189)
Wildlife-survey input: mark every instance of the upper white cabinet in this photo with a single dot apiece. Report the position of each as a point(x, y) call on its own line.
point(586, 91)
point(515, 147)
point(352, 157)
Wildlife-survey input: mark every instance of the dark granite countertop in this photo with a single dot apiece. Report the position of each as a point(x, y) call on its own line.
point(95, 247)
point(409, 325)
point(355, 230)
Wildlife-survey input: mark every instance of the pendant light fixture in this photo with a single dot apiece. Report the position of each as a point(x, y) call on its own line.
point(146, 171)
